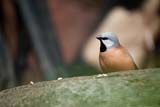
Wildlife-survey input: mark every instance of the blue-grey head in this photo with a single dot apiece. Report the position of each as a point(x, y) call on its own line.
point(108, 40)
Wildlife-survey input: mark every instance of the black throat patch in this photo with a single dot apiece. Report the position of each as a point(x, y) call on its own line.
point(103, 48)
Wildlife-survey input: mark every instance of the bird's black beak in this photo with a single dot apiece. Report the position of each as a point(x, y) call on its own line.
point(99, 38)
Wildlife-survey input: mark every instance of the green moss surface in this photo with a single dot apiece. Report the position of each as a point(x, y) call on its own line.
point(124, 89)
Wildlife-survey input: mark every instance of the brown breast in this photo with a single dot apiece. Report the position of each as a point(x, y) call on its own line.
point(116, 59)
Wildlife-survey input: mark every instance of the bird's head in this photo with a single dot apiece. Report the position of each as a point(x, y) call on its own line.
point(108, 40)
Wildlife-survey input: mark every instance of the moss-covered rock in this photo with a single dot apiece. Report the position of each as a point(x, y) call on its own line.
point(124, 89)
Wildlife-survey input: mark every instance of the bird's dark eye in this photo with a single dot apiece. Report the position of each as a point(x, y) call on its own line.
point(104, 38)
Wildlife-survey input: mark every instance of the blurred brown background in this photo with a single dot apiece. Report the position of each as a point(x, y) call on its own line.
point(46, 39)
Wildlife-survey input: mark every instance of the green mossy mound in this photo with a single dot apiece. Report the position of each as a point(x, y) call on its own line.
point(124, 89)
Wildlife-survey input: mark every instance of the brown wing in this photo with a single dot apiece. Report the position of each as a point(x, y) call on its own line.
point(116, 59)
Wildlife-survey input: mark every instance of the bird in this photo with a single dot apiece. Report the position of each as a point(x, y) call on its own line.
point(113, 56)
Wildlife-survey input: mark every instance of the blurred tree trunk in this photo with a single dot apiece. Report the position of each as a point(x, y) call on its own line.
point(7, 76)
point(42, 33)
point(8, 44)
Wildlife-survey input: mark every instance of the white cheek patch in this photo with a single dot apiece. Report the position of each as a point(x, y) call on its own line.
point(108, 43)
